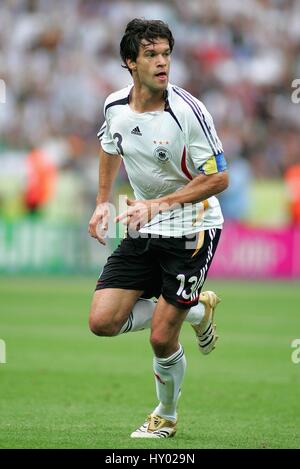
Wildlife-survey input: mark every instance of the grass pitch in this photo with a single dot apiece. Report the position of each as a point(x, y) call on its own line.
point(62, 387)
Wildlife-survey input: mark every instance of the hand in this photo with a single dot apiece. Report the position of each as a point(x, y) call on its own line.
point(98, 224)
point(139, 213)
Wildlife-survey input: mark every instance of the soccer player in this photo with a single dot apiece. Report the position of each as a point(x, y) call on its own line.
point(175, 164)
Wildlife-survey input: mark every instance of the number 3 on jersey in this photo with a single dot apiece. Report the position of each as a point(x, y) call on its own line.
point(119, 143)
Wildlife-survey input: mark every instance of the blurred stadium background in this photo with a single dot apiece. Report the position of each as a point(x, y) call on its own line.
point(59, 60)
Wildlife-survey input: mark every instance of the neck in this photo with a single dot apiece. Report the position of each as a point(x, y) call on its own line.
point(145, 100)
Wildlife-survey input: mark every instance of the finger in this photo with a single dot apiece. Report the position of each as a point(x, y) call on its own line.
point(126, 221)
point(100, 237)
point(101, 241)
point(93, 224)
point(120, 217)
point(92, 230)
point(127, 213)
point(129, 201)
point(98, 231)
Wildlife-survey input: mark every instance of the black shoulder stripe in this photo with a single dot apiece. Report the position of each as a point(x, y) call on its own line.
point(119, 102)
point(168, 109)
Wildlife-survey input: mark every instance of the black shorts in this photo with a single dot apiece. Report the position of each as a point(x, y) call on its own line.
point(175, 268)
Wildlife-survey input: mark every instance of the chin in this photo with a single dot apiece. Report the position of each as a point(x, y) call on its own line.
point(159, 86)
point(162, 86)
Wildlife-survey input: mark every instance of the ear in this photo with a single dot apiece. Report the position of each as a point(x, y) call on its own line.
point(131, 64)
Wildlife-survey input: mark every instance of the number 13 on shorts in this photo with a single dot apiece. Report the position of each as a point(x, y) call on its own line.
point(191, 284)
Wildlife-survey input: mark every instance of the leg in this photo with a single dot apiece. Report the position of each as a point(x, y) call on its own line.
point(143, 267)
point(169, 361)
point(183, 274)
point(193, 266)
point(123, 280)
point(169, 366)
point(141, 315)
point(166, 325)
point(142, 312)
point(110, 309)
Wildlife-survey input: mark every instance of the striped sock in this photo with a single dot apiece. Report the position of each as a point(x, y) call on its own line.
point(169, 373)
point(141, 316)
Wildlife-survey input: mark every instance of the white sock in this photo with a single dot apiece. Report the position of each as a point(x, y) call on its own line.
point(169, 373)
point(196, 314)
point(141, 315)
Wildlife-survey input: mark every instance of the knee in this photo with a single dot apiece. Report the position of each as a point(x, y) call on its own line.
point(103, 327)
point(159, 343)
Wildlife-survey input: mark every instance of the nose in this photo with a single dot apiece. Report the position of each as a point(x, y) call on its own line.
point(161, 60)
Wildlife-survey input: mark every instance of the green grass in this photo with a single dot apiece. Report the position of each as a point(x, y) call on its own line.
point(62, 387)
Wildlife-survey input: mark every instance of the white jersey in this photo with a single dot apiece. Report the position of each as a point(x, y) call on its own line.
point(163, 151)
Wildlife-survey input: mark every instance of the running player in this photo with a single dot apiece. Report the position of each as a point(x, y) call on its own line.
point(176, 166)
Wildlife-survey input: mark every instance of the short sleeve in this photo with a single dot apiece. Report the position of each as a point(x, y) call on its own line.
point(106, 140)
point(205, 148)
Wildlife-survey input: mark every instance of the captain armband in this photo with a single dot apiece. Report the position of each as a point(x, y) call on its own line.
point(215, 164)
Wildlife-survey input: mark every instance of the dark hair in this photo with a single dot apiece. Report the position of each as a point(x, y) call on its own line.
point(139, 29)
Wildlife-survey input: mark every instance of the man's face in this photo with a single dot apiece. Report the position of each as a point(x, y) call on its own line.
point(153, 64)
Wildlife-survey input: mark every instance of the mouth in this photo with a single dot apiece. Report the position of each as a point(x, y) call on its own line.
point(162, 76)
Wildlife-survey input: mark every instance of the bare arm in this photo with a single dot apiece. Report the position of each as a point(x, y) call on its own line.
point(109, 166)
point(197, 190)
point(200, 188)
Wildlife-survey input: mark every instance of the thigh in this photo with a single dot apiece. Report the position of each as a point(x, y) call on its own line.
point(130, 267)
point(184, 267)
point(114, 304)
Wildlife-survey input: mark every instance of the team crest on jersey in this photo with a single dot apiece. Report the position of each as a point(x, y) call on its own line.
point(162, 154)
